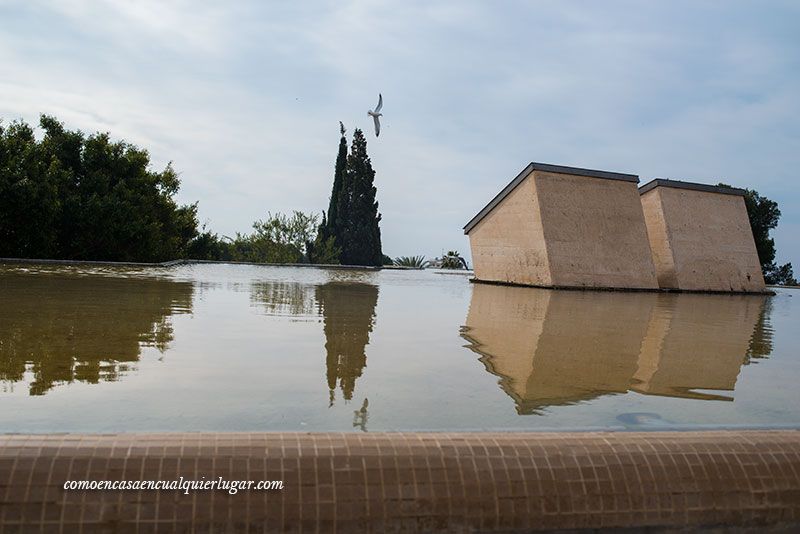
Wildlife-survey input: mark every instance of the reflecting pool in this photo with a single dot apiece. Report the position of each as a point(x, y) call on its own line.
point(252, 348)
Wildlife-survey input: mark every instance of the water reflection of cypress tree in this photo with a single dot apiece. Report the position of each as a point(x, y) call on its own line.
point(348, 311)
point(66, 328)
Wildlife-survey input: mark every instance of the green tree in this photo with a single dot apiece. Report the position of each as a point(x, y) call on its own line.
point(277, 239)
point(453, 260)
point(209, 246)
point(782, 275)
point(29, 195)
point(764, 216)
point(360, 234)
point(417, 262)
point(70, 196)
point(323, 251)
point(287, 231)
point(326, 248)
point(334, 220)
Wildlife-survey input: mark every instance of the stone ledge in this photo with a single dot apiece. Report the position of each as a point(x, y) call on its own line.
point(768, 292)
point(175, 263)
point(352, 482)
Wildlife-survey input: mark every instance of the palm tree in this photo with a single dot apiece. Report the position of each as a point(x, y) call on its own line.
point(416, 262)
point(453, 260)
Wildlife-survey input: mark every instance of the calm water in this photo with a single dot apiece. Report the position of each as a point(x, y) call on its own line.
point(229, 347)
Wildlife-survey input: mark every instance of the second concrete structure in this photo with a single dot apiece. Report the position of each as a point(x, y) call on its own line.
point(700, 237)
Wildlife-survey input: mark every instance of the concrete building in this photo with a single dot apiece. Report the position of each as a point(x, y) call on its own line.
point(700, 237)
point(555, 226)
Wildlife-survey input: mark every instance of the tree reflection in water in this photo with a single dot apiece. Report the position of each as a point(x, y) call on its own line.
point(761, 340)
point(348, 312)
point(285, 299)
point(61, 328)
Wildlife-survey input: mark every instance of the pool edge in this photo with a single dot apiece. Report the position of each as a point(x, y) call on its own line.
point(410, 481)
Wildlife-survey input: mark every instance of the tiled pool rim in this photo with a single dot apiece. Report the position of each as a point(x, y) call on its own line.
point(352, 482)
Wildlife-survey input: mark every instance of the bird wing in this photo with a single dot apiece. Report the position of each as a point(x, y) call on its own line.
point(377, 125)
point(380, 103)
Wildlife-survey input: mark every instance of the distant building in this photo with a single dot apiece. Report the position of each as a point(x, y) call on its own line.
point(700, 237)
point(555, 226)
point(435, 263)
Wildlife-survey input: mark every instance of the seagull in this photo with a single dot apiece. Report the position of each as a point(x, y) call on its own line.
point(377, 113)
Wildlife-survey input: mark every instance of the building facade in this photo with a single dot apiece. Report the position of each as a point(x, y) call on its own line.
point(556, 226)
point(700, 237)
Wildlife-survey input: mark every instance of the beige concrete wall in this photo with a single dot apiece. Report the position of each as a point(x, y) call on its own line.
point(709, 237)
point(508, 244)
point(565, 230)
point(595, 232)
point(659, 241)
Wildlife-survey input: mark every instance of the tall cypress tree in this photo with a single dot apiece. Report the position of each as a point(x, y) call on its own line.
point(357, 208)
point(326, 248)
point(339, 172)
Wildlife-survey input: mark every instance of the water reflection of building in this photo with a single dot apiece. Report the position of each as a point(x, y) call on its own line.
point(348, 311)
point(64, 328)
point(696, 342)
point(561, 347)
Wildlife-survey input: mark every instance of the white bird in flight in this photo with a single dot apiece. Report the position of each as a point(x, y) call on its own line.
point(377, 113)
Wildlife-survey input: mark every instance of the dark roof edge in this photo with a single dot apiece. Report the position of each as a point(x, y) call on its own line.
point(577, 171)
point(498, 198)
point(678, 184)
point(544, 167)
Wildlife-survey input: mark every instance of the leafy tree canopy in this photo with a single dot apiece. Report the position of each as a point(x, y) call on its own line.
point(279, 238)
point(360, 234)
point(72, 196)
point(453, 260)
point(350, 233)
point(417, 262)
point(764, 216)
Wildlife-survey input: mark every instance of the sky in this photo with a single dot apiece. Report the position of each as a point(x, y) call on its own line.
point(245, 98)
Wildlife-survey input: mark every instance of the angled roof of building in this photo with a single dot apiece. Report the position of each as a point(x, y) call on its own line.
point(678, 184)
point(544, 167)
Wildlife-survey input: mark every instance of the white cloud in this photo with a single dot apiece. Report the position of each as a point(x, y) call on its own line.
point(246, 98)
